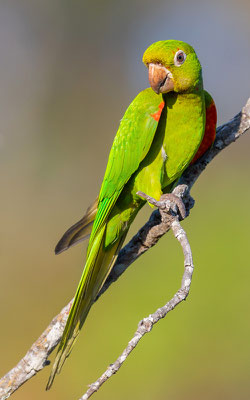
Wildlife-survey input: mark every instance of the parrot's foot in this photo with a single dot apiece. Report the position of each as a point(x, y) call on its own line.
point(168, 203)
point(173, 204)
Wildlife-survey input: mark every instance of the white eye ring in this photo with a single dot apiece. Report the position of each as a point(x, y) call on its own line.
point(179, 58)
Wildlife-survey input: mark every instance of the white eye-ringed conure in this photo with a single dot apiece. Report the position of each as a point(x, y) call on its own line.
point(165, 128)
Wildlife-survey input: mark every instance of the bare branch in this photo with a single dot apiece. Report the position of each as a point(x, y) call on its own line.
point(147, 236)
point(36, 357)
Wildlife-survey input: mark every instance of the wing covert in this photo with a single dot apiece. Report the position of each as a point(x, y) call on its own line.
point(210, 127)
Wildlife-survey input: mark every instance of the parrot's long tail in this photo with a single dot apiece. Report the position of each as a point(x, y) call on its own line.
point(79, 231)
point(98, 265)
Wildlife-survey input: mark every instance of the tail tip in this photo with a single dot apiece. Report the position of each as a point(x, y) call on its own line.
point(51, 379)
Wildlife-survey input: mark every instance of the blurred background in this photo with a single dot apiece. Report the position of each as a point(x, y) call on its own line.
point(68, 71)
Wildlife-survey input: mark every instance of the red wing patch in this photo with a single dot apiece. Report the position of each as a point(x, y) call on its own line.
point(157, 114)
point(210, 131)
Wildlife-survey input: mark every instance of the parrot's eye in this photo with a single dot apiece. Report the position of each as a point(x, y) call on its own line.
point(179, 58)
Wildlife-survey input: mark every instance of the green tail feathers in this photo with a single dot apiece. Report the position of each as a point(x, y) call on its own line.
point(99, 263)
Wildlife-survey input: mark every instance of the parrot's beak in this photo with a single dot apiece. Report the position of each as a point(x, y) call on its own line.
point(160, 78)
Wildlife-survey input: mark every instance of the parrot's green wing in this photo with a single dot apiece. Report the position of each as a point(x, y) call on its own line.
point(131, 144)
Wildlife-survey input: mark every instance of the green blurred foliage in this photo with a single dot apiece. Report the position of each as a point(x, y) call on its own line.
point(68, 70)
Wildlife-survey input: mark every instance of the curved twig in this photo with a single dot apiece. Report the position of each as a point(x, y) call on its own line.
point(147, 324)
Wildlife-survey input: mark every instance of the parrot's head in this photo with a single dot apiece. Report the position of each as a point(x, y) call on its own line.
point(173, 66)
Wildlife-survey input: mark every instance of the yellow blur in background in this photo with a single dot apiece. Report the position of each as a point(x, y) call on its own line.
point(68, 71)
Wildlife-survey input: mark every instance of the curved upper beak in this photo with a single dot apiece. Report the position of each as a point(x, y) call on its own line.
point(160, 78)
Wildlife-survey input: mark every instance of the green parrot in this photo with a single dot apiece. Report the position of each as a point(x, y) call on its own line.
point(157, 139)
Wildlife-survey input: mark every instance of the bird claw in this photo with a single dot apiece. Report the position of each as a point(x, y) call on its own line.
point(173, 204)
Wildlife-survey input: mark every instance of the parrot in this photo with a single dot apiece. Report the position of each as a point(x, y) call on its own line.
point(167, 127)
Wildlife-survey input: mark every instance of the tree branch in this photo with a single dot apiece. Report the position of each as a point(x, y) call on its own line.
point(36, 357)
